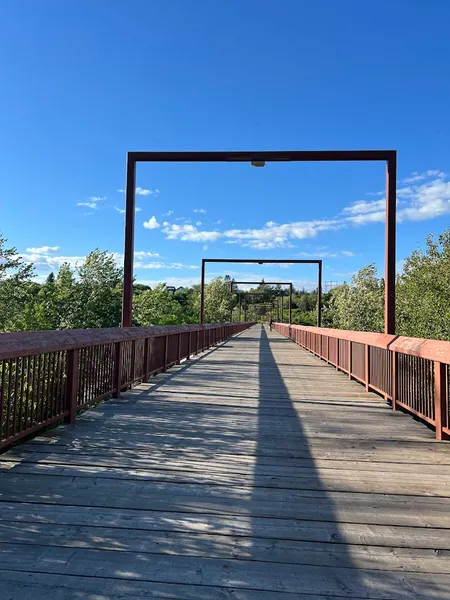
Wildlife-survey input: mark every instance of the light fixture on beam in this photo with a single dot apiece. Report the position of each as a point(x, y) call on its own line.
point(258, 163)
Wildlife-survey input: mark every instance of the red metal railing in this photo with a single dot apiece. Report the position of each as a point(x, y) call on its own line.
point(412, 373)
point(47, 376)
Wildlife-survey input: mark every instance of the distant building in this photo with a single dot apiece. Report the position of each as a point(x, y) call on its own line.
point(180, 289)
point(171, 288)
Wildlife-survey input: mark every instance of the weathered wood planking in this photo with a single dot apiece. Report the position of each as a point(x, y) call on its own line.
point(254, 472)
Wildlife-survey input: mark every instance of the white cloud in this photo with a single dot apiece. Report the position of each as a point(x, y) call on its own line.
point(365, 207)
point(371, 217)
point(168, 213)
point(218, 222)
point(200, 210)
point(274, 235)
point(92, 202)
point(50, 262)
point(146, 192)
point(415, 176)
point(416, 202)
point(152, 223)
point(138, 209)
point(141, 254)
point(189, 233)
point(198, 223)
point(205, 247)
point(427, 201)
point(43, 250)
point(89, 205)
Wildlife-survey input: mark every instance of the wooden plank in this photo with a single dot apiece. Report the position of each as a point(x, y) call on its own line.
point(38, 586)
point(221, 465)
point(46, 524)
point(371, 483)
point(223, 573)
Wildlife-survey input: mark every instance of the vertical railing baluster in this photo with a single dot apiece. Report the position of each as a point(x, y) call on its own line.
point(440, 397)
point(179, 349)
point(349, 359)
point(166, 348)
point(117, 369)
point(72, 383)
point(367, 365)
point(394, 382)
point(133, 360)
point(145, 365)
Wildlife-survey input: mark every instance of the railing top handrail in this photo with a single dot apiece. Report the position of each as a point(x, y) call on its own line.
point(437, 350)
point(29, 343)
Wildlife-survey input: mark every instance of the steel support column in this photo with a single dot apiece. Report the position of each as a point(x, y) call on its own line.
point(290, 303)
point(390, 260)
point(202, 295)
point(130, 194)
point(319, 296)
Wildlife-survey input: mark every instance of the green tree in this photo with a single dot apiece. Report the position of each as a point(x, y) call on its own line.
point(157, 307)
point(423, 291)
point(98, 291)
point(359, 305)
point(16, 288)
point(218, 301)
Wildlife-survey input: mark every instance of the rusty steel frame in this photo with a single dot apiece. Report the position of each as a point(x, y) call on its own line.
point(242, 293)
point(289, 283)
point(387, 156)
point(262, 261)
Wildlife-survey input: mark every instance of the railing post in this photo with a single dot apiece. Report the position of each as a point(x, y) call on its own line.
point(337, 354)
point(394, 379)
point(440, 397)
point(117, 369)
point(179, 349)
point(144, 376)
point(189, 345)
point(349, 359)
point(166, 347)
point(73, 360)
point(133, 360)
point(367, 365)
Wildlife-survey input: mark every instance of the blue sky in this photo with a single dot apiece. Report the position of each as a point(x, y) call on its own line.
point(85, 81)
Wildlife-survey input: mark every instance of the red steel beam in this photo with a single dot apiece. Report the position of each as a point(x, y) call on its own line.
point(389, 156)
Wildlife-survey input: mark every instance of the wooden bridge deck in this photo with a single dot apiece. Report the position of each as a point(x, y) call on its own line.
point(253, 472)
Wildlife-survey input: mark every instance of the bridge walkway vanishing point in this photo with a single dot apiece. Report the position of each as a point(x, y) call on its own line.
point(255, 471)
